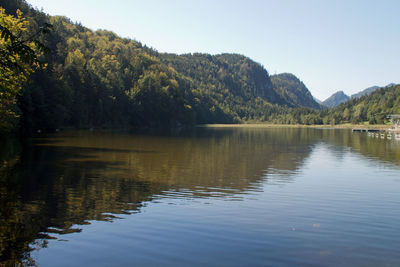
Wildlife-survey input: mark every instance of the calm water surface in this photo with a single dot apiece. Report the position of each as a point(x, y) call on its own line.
point(209, 197)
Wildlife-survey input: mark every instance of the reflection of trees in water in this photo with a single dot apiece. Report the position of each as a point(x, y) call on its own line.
point(69, 180)
point(370, 147)
point(36, 196)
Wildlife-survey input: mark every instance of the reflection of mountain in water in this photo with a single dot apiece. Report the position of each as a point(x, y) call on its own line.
point(67, 180)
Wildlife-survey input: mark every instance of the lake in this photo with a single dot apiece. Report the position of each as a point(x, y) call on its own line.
point(203, 197)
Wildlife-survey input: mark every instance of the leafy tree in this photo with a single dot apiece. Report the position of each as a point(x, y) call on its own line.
point(18, 58)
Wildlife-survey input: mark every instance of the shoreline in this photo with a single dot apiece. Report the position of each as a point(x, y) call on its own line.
point(267, 125)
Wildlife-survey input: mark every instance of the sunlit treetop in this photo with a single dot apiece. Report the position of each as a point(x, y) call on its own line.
point(19, 56)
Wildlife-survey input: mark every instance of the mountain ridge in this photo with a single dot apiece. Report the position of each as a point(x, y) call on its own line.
point(98, 79)
point(335, 99)
point(293, 90)
point(340, 97)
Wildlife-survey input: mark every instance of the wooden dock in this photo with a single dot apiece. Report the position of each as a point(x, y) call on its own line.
point(366, 130)
point(389, 134)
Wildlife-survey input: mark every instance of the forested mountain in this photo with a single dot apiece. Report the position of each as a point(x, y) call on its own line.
point(293, 91)
point(366, 91)
point(371, 89)
point(238, 86)
point(373, 109)
point(340, 97)
point(236, 73)
point(335, 99)
point(391, 85)
point(97, 79)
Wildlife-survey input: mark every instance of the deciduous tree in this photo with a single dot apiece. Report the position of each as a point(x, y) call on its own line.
point(19, 56)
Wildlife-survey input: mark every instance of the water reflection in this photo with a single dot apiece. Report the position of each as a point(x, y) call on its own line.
point(61, 181)
point(373, 148)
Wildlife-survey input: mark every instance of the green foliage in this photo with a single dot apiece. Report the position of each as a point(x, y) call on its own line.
point(373, 109)
point(97, 79)
point(19, 56)
point(293, 91)
point(227, 88)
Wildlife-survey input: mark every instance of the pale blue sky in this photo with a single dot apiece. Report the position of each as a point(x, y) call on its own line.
point(333, 45)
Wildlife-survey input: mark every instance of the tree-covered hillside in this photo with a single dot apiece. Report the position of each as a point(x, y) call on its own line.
point(237, 85)
point(293, 91)
point(372, 109)
point(369, 90)
point(97, 79)
point(366, 91)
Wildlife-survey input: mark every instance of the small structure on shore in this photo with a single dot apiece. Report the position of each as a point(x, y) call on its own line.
point(395, 122)
point(385, 133)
